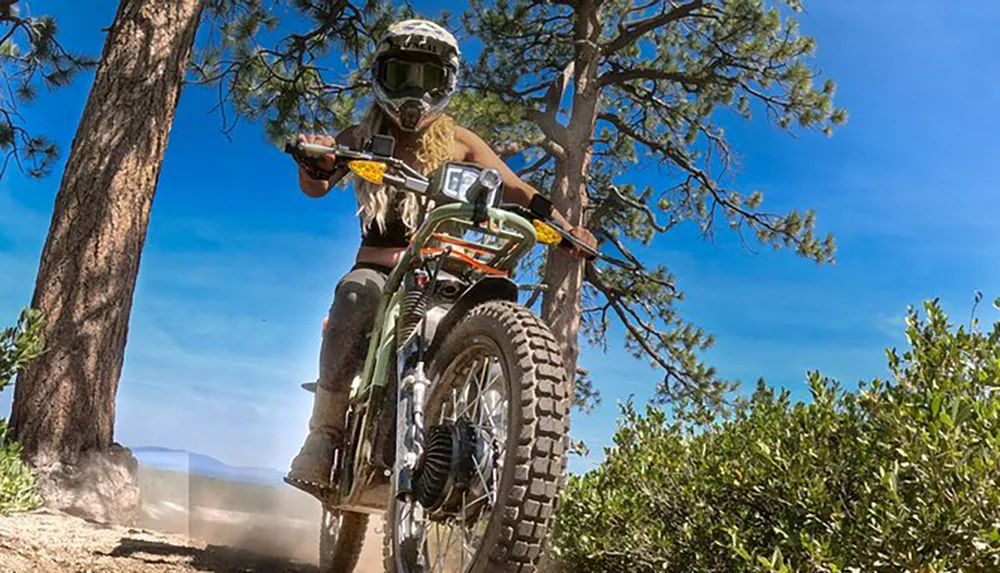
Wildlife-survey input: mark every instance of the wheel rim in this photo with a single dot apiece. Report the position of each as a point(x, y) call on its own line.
point(473, 387)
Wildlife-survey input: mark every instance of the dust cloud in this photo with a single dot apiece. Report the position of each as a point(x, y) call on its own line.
point(273, 521)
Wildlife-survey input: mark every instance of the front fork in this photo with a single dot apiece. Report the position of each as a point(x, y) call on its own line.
point(409, 447)
point(410, 400)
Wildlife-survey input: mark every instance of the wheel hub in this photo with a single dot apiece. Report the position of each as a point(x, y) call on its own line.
point(457, 459)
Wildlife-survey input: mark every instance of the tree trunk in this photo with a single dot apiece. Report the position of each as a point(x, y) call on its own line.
point(563, 274)
point(64, 402)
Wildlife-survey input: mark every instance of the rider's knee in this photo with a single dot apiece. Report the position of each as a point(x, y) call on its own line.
point(353, 311)
point(359, 290)
point(353, 297)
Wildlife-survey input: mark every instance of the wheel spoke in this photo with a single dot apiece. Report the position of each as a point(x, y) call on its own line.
point(470, 377)
point(489, 419)
point(482, 391)
point(478, 384)
point(437, 548)
point(447, 548)
point(490, 492)
point(480, 498)
point(468, 548)
point(474, 389)
point(462, 554)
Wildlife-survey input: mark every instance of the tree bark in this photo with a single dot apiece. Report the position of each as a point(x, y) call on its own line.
point(64, 402)
point(563, 274)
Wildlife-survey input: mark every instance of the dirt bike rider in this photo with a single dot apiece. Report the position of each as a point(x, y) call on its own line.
point(414, 75)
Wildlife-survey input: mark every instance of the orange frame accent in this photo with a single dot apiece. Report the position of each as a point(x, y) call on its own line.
point(466, 259)
point(463, 243)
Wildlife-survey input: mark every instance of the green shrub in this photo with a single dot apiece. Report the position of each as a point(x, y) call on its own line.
point(899, 476)
point(18, 345)
point(17, 484)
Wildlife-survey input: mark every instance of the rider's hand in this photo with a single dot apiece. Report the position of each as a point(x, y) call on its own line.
point(584, 236)
point(325, 162)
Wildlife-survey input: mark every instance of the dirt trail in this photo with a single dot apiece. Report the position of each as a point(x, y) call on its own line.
point(45, 541)
point(294, 539)
point(187, 524)
point(49, 542)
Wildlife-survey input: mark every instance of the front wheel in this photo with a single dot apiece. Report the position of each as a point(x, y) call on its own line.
point(341, 538)
point(497, 416)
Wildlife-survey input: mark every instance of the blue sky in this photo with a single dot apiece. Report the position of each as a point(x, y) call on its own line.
point(239, 266)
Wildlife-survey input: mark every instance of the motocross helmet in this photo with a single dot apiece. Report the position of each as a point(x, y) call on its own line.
point(414, 72)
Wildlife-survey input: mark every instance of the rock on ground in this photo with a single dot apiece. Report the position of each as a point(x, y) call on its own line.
point(101, 486)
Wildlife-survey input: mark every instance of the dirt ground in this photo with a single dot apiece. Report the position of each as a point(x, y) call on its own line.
point(219, 541)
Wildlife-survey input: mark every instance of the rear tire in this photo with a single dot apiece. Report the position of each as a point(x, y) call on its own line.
point(341, 537)
point(533, 462)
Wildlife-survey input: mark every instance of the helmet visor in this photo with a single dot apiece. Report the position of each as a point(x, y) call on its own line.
point(405, 77)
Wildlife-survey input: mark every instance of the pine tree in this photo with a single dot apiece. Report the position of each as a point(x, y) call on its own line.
point(646, 84)
point(64, 401)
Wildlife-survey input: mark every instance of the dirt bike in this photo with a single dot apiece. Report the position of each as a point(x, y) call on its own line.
point(458, 426)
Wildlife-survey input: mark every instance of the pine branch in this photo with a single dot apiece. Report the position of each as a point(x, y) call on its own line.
point(513, 148)
point(646, 210)
point(32, 56)
point(637, 266)
point(679, 158)
point(546, 120)
point(13, 29)
point(520, 93)
point(640, 331)
point(669, 115)
point(631, 32)
point(554, 132)
point(620, 76)
point(551, 148)
point(284, 82)
point(536, 165)
point(554, 96)
point(535, 295)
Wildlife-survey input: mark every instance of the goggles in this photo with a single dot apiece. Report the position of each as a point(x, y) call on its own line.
point(403, 77)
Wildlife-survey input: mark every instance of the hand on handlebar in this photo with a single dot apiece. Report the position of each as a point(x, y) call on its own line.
point(587, 243)
point(324, 162)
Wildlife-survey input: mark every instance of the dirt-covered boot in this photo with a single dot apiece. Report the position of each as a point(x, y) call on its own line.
point(310, 470)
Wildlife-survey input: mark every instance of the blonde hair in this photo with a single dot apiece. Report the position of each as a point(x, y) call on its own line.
point(434, 148)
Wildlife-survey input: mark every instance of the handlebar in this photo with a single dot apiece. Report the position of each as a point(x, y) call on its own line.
point(304, 153)
point(311, 150)
point(400, 174)
point(568, 240)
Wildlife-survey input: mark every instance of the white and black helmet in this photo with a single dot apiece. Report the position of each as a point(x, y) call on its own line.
point(414, 72)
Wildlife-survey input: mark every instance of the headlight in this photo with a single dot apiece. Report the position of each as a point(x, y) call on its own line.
point(490, 178)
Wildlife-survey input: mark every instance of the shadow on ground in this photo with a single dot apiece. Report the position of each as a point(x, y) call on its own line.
point(213, 558)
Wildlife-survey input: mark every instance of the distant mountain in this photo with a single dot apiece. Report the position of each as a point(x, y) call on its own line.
point(180, 460)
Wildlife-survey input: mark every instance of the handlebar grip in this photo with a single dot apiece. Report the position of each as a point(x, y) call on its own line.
point(588, 254)
point(531, 215)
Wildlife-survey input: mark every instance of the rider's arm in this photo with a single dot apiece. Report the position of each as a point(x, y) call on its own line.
point(318, 188)
point(515, 189)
